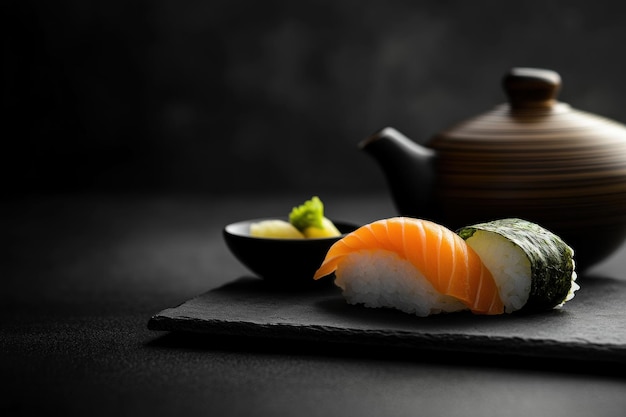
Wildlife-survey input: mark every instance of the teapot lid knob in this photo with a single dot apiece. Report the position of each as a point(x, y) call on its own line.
point(531, 87)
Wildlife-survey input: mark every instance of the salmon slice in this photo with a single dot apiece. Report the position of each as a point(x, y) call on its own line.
point(444, 259)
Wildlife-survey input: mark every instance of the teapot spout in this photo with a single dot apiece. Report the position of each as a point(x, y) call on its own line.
point(409, 169)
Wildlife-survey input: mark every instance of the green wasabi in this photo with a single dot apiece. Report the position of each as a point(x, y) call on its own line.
point(309, 219)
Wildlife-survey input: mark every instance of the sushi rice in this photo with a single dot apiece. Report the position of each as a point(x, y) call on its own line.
point(384, 279)
point(508, 265)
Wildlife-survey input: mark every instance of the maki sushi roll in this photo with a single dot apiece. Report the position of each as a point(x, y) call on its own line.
point(534, 269)
point(423, 268)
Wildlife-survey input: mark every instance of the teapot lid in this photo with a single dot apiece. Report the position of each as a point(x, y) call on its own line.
point(532, 115)
point(531, 88)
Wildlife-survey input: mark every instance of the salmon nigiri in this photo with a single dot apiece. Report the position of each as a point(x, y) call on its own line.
point(413, 265)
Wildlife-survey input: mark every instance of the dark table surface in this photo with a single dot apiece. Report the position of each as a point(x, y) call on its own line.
point(82, 275)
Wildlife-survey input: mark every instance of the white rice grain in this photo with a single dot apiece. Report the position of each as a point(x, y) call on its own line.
point(378, 278)
point(508, 264)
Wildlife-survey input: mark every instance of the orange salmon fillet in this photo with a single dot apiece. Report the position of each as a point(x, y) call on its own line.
point(445, 260)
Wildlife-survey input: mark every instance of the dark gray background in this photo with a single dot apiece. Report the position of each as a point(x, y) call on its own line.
point(217, 96)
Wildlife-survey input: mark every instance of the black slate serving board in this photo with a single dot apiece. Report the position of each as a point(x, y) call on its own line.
point(591, 327)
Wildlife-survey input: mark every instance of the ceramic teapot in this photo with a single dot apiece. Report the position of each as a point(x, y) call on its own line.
point(534, 158)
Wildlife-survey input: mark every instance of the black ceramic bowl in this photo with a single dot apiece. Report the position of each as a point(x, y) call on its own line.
point(290, 262)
